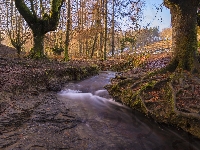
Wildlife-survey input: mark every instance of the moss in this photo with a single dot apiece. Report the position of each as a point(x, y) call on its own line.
point(148, 85)
point(127, 97)
point(124, 91)
point(187, 124)
point(139, 105)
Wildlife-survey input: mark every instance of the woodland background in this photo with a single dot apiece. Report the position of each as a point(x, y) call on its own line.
point(98, 29)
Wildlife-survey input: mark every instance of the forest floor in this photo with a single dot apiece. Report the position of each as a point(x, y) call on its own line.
point(189, 98)
point(28, 94)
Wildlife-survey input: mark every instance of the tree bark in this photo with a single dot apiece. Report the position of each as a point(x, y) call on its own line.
point(184, 34)
point(93, 46)
point(68, 30)
point(38, 51)
point(80, 27)
point(113, 27)
point(105, 28)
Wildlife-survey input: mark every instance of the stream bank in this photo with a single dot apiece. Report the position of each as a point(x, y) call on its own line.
point(106, 124)
point(171, 98)
point(28, 103)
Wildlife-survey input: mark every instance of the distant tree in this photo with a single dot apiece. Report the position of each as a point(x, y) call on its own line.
point(130, 40)
point(15, 34)
point(166, 34)
point(96, 27)
point(155, 34)
point(1, 37)
point(105, 29)
point(40, 25)
point(1, 33)
point(184, 34)
point(113, 28)
point(68, 30)
point(146, 36)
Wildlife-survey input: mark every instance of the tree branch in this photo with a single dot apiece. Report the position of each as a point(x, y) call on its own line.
point(41, 8)
point(53, 19)
point(25, 12)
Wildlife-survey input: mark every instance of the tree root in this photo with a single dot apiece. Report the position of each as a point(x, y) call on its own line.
point(180, 113)
point(138, 100)
point(134, 93)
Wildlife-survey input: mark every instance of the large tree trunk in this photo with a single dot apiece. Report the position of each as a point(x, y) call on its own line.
point(38, 41)
point(38, 48)
point(184, 34)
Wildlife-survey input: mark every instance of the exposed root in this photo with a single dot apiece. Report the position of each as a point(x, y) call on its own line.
point(146, 110)
point(182, 114)
point(159, 95)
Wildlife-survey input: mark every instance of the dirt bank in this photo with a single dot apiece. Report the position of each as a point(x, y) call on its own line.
point(31, 116)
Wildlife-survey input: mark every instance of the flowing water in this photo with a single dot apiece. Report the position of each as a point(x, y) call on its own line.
point(106, 124)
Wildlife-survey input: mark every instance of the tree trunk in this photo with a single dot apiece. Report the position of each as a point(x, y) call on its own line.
point(86, 48)
point(80, 26)
point(113, 27)
point(105, 29)
point(184, 34)
point(68, 31)
point(38, 48)
point(94, 44)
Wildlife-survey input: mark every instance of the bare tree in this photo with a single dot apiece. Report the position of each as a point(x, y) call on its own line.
point(105, 28)
point(68, 30)
point(113, 27)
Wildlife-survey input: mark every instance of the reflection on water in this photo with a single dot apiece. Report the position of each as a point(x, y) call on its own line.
point(107, 124)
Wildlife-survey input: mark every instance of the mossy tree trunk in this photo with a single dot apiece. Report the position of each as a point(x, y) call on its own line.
point(184, 34)
point(38, 48)
point(40, 26)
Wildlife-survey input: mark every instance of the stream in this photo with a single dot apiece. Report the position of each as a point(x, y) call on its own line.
point(106, 124)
